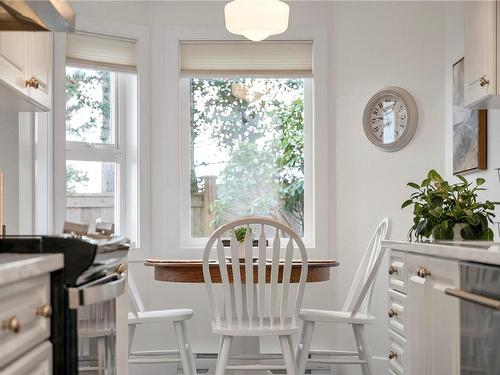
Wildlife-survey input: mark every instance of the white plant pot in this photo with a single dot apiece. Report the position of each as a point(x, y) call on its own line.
point(456, 232)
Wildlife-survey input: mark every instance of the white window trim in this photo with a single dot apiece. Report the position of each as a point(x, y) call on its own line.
point(170, 210)
point(135, 158)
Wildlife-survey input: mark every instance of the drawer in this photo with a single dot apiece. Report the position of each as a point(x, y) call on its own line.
point(38, 361)
point(397, 345)
point(397, 311)
point(397, 270)
point(22, 324)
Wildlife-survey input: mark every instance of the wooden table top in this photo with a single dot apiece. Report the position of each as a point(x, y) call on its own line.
point(191, 271)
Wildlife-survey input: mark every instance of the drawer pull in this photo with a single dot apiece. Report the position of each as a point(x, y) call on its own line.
point(423, 272)
point(32, 82)
point(393, 355)
point(44, 311)
point(12, 324)
point(483, 82)
point(392, 313)
point(392, 270)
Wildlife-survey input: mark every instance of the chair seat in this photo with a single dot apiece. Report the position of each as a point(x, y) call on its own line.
point(255, 328)
point(159, 316)
point(335, 317)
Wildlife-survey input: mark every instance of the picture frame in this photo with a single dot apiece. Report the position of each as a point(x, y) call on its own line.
point(469, 129)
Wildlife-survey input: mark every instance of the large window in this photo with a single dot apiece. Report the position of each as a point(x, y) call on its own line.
point(246, 150)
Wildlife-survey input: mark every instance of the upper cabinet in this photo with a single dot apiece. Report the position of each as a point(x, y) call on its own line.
point(480, 78)
point(25, 71)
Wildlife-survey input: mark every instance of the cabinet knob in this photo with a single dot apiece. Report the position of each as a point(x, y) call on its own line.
point(12, 324)
point(44, 311)
point(423, 272)
point(120, 269)
point(392, 313)
point(33, 83)
point(392, 270)
point(392, 355)
point(483, 82)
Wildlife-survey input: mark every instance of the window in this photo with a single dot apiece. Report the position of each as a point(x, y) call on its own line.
point(247, 144)
point(248, 110)
point(99, 95)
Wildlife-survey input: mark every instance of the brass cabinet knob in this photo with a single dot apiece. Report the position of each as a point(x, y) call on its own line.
point(393, 355)
point(119, 269)
point(392, 313)
point(392, 270)
point(423, 272)
point(483, 82)
point(44, 311)
point(12, 324)
point(33, 83)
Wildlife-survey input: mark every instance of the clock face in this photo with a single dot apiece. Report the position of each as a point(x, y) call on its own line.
point(388, 119)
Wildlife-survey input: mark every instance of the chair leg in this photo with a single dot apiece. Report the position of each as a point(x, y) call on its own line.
point(303, 346)
point(190, 351)
point(289, 357)
point(180, 332)
point(223, 355)
point(131, 333)
point(363, 349)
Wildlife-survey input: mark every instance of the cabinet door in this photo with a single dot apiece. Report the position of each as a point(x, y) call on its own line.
point(444, 318)
point(480, 52)
point(13, 61)
point(40, 57)
point(416, 316)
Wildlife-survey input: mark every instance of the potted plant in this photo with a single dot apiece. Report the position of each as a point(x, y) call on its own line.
point(445, 211)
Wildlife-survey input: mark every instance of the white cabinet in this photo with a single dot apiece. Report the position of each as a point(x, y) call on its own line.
point(25, 71)
point(480, 78)
point(423, 320)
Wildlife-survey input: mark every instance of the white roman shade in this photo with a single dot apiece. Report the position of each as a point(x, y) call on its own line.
point(96, 50)
point(228, 58)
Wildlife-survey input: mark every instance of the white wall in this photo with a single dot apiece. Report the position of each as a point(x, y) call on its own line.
point(370, 46)
point(455, 31)
point(9, 165)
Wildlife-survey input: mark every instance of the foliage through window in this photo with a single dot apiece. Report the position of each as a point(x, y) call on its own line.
point(247, 151)
point(91, 139)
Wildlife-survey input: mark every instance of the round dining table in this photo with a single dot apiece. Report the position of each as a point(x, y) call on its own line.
point(191, 271)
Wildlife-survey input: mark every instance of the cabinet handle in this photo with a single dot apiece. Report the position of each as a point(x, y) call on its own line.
point(44, 311)
point(423, 272)
point(12, 324)
point(393, 355)
point(483, 82)
point(33, 83)
point(392, 313)
point(392, 270)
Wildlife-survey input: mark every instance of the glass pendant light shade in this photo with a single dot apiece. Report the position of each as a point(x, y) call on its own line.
point(256, 19)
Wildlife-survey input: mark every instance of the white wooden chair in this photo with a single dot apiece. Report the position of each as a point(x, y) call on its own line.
point(250, 307)
point(178, 317)
point(356, 312)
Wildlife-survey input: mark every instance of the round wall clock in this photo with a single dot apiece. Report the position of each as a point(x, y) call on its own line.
point(390, 118)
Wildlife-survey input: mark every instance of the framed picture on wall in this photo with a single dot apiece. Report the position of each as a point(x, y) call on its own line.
point(469, 129)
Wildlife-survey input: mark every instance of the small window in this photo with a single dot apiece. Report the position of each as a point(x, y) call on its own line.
point(247, 151)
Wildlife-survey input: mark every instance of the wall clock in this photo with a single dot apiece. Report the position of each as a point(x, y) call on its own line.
point(390, 118)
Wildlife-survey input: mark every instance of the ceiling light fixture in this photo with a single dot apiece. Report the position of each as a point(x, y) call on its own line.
point(256, 19)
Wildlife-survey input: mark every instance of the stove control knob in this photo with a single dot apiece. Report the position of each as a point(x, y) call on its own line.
point(44, 311)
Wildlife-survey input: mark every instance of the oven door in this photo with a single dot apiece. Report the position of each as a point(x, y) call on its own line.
point(479, 319)
point(95, 305)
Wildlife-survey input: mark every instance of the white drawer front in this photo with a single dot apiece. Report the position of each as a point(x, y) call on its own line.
point(397, 312)
point(36, 362)
point(19, 303)
point(397, 270)
point(397, 345)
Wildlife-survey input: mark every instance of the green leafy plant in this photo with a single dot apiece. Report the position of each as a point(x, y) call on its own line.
point(240, 232)
point(438, 206)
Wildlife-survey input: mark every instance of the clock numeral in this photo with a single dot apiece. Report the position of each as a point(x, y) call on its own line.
point(375, 112)
point(376, 129)
point(374, 120)
point(380, 105)
point(380, 135)
point(396, 133)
